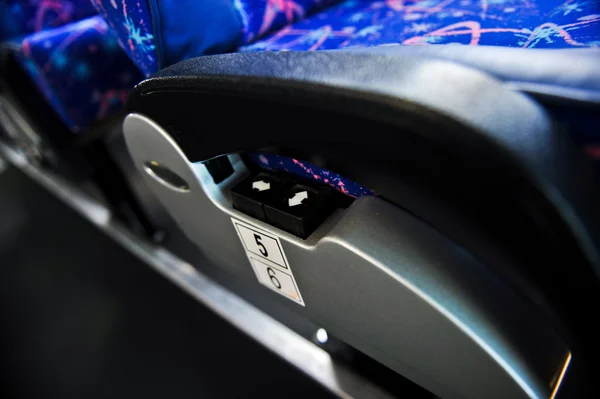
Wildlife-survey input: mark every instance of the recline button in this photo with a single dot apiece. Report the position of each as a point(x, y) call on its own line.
point(250, 195)
point(300, 210)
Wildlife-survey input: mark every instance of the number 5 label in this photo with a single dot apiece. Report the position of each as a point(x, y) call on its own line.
point(268, 260)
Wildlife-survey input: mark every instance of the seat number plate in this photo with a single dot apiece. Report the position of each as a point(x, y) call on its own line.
point(268, 260)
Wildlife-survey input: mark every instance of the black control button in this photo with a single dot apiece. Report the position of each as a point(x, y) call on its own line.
point(250, 195)
point(300, 210)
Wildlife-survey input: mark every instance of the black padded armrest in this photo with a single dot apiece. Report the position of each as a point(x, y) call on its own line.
point(481, 162)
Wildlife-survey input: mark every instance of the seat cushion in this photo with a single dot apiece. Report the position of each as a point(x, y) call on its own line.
point(510, 23)
point(21, 17)
point(158, 33)
point(80, 69)
point(263, 16)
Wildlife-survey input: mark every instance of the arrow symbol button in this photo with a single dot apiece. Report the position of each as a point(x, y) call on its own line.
point(261, 185)
point(298, 198)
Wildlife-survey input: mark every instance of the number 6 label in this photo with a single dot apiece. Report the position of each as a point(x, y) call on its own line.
point(268, 260)
point(276, 279)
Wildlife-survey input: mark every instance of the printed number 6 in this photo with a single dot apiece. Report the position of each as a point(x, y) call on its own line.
point(262, 249)
point(274, 280)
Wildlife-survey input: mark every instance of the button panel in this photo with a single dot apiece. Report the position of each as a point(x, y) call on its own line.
point(291, 205)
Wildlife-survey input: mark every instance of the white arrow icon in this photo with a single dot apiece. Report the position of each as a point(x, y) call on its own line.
point(298, 198)
point(261, 185)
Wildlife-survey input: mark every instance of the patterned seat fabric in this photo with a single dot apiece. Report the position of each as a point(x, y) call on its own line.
point(131, 22)
point(263, 16)
point(158, 33)
point(509, 23)
point(80, 69)
point(22, 17)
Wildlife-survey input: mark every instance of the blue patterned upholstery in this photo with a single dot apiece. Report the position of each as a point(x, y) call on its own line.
point(81, 70)
point(189, 28)
point(157, 33)
point(510, 23)
point(196, 27)
point(309, 172)
point(22, 17)
point(133, 27)
point(263, 16)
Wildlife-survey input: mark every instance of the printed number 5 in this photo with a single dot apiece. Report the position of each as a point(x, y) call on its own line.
point(274, 280)
point(262, 249)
